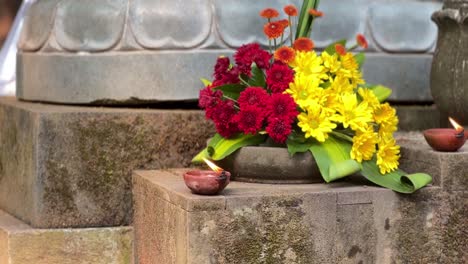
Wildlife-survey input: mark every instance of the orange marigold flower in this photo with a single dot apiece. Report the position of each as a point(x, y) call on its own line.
point(303, 44)
point(269, 13)
point(284, 23)
point(362, 41)
point(315, 13)
point(290, 10)
point(340, 49)
point(285, 54)
point(273, 29)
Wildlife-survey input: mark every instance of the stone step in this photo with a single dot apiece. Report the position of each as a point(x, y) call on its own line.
point(69, 166)
point(343, 222)
point(22, 244)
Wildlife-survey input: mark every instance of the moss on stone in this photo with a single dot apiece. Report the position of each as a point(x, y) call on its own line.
point(416, 241)
point(274, 232)
point(100, 152)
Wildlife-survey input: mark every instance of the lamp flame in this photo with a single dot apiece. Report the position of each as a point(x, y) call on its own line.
point(457, 127)
point(213, 166)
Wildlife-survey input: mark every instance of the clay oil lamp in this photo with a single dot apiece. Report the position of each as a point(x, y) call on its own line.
point(446, 139)
point(207, 182)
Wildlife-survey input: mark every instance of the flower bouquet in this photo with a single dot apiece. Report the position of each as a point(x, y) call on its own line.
point(305, 101)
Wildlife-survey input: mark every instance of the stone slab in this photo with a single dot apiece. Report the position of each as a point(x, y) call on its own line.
point(419, 117)
point(343, 222)
point(104, 78)
point(407, 74)
point(64, 166)
point(113, 78)
point(22, 244)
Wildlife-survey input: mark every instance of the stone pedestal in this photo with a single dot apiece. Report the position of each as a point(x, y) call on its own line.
point(71, 166)
point(22, 244)
point(344, 222)
point(122, 52)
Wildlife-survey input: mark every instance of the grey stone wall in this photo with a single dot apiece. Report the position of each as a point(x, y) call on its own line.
point(59, 29)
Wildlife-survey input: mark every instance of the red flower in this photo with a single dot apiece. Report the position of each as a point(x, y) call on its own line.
point(269, 13)
point(221, 67)
point(253, 96)
point(273, 29)
point(224, 118)
point(340, 49)
point(279, 129)
point(285, 54)
point(249, 53)
point(229, 77)
point(362, 41)
point(278, 77)
point(315, 13)
point(250, 119)
point(282, 106)
point(209, 99)
point(290, 10)
point(303, 44)
point(284, 23)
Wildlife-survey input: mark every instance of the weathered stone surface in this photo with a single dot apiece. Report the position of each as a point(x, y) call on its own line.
point(38, 25)
point(138, 50)
point(412, 118)
point(22, 244)
point(105, 78)
point(448, 169)
point(407, 75)
point(399, 28)
point(71, 166)
point(342, 222)
point(448, 72)
point(90, 25)
point(170, 24)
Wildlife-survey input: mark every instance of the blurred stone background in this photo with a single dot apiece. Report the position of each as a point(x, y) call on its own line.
point(8, 9)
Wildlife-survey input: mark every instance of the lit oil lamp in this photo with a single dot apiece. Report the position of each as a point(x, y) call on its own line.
point(446, 139)
point(207, 182)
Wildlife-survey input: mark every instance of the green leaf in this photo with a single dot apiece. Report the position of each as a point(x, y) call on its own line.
point(205, 81)
point(330, 49)
point(344, 168)
point(231, 90)
point(360, 59)
point(208, 151)
point(333, 159)
point(298, 145)
point(226, 147)
point(398, 180)
point(381, 92)
point(258, 77)
point(305, 21)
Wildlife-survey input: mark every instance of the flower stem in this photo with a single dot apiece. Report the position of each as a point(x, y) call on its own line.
point(290, 30)
point(342, 136)
point(244, 82)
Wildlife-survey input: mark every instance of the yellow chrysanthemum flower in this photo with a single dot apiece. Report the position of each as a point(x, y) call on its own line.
point(331, 62)
point(310, 64)
point(341, 84)
point(350, 69)
point(315, 123)
point(305, 90)
point(383, 112)
point(369, 97)
point(364, 145)
point(349, 62)
point(331, 102)
point(387, 128)
point(388, 155)
point(353, 114)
